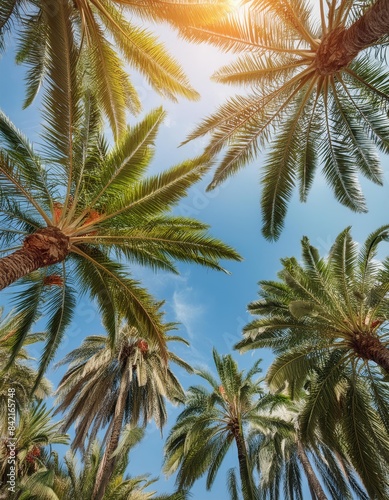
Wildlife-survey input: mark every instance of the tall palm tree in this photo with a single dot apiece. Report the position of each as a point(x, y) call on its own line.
point(78, 203)
point(107, 387)
point(326, 322)
point(104, 35)
point(316, 95)
point(211, 422)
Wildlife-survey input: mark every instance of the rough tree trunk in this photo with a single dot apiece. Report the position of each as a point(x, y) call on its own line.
point(107, 464)
point(340, 46)
point(371, 348)
point(45, 247)
point(313, 482)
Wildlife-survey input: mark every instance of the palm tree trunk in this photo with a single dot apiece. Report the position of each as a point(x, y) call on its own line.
point(371, 348)
point(342, 45)
point(313, 482)
point(248, 489)
point(45, 247)
point(107, 464)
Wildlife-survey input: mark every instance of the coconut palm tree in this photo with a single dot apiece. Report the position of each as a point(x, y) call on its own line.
point(316, 96)
point(107, 387)
point(106, 38)
point(211, 422)
point(80, 202)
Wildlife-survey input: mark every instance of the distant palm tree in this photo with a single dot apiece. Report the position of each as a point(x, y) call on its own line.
point(105, 38)
point(111, 387)
point(18, 379)
point(282, 458)
point(211, 422)
point(316, 94)
point(73, 480)
point(35, 430)
point(79, 204)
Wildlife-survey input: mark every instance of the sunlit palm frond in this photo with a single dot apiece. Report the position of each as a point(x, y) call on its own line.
point(286, 59)
point(149, 56)
point(62, 110)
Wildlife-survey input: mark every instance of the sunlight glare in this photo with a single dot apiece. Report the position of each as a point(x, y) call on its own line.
point(235, 3)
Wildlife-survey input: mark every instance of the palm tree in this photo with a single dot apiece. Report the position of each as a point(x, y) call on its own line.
point(106, 39)
point(355, 424)
point(316, 95)
point(35, 430)
point(211, 421)
point(73, 480)
point(281, 455)
point(80, 202)
point(325, 321)
point(339, 303)
point(17, 380)
point(110, 387)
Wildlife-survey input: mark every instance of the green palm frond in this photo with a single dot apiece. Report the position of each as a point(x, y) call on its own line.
point(62, 101)
point(104, 36)
point(308, 106)
point(365, 436)
point(8, 10)
point(143, 51)
point(130, 157)
point(33, 51)
point(293, 368)
point(39, 485)
point(115, 94)
point(59, 312)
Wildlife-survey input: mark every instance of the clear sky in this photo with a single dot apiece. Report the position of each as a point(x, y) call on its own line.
point(211, 306)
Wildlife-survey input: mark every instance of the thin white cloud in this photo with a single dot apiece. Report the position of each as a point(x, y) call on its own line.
point(187, 311)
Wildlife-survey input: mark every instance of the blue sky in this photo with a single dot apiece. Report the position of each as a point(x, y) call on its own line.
point(210, 306)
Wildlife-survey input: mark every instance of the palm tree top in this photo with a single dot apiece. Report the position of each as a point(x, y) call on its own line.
point(213, 419)
point(106, 37)
point(320, 305)
point(315, 96)
point(80, 209)
point(96, 372)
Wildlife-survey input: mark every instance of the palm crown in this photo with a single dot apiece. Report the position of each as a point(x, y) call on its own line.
point(80, 203)
point(337, 303)
point(325, 319)
point(211, 422)
point(311, 99)
point(105, 39)
point(107, 387)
